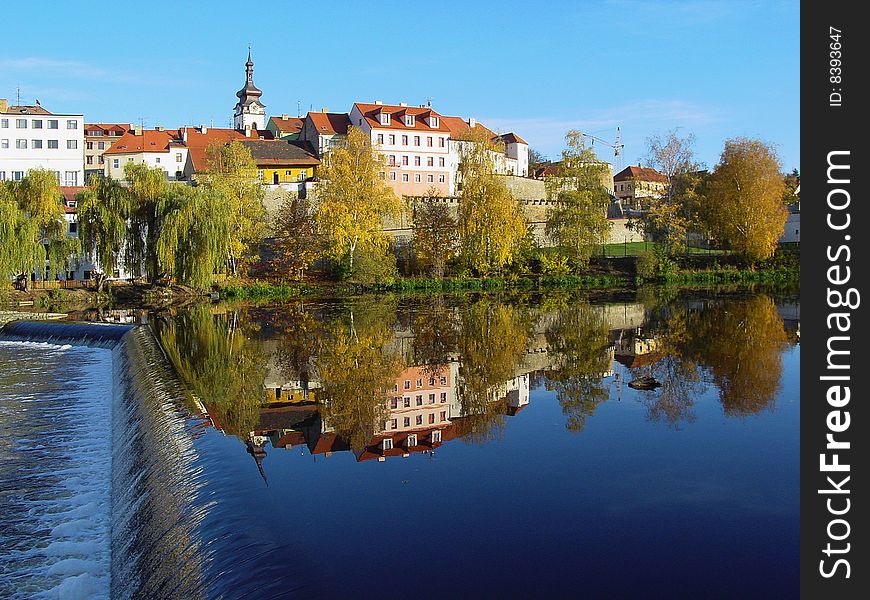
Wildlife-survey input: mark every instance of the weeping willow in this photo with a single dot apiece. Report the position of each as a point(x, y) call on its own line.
point(103, 211)
point(150, 201)
point(194, 240)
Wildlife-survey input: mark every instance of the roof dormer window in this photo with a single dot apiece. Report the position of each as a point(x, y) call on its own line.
point(385, 118)
point(433, 122)
point(409, 120)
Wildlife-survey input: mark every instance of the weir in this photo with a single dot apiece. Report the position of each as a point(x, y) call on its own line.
point(153, 544)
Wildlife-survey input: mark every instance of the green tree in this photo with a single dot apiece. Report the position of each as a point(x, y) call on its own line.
point(579, 222)
point(435, 233)
point(232, 171)
point(353, 201)
point(491, 224)
point(193, 244)
point(745, 208)
point(149, 203)
point(33, 235)
point(103, 209)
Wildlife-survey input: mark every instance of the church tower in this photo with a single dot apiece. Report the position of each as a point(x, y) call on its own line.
point(249, 112)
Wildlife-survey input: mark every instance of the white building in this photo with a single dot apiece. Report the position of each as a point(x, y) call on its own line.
point(33, 138)
point(249, 112)
point(159, 147)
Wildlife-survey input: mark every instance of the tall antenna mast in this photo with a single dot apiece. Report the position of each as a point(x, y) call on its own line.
point(617, 150)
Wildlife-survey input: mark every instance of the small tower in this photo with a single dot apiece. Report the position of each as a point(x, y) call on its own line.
point(249, 112)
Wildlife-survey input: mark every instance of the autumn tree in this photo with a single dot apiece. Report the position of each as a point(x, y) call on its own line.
point(579, 222)
point(353, 200)
point(33, 237)
point(103, 209)
point(491, 224)
point(149, 203)
point(297, 241)
point(232, 171)
point(435, 233)
point(744, 208)
point(536, 160)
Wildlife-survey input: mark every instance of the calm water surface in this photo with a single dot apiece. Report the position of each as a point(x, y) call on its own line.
point(481, 447)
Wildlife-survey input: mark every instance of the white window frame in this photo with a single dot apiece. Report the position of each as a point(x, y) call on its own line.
point(385, 118)
point(436, 436)
point(72, 124)
point(409, 120)
point(54, 144)
point(387, 443)
point(412, 440)
point(72, 144)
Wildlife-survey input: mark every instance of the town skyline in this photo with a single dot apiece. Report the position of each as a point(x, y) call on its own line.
point(731, 98)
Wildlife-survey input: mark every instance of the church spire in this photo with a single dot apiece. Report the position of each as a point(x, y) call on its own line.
point(249, 111)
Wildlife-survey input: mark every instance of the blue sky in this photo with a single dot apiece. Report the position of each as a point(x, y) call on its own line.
point(715, 69)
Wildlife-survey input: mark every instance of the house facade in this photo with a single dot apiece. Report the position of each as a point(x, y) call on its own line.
point(99, 137)
point(282, 161)
point(160, 148)
point(285, 127)
point(636, 186)
point(324, 130)
point(31, 137)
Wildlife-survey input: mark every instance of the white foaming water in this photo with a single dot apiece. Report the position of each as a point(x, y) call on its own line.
point(55, 470)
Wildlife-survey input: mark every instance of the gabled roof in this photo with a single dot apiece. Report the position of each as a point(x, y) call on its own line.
point(459, 127)
point(640, 174)
point(371, 112)
point(27, 109)
point(197, 142)
point(512, 138)
point(151, 140)
point(281, 152)
point(116, 127)
point(288, 125)
point(329, 123)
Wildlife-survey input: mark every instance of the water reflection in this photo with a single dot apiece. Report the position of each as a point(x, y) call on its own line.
point(382, 378)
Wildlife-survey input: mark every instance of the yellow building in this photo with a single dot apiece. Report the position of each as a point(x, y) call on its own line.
point(283, 161)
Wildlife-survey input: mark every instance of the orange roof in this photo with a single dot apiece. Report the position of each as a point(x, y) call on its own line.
point(197, 142)
point(288, 125)
point(640, 174)
point(151, 140)
point(330, 123)
point(120, 127)
point(459, 127)
point(27, 109)
point(371, 114)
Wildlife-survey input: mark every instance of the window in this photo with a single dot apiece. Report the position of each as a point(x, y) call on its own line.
point(4, 123)
point(430, 161)
point(406, 422)
point(416, 140)
point(405, 177)
point(116, 163)
point(392, 160)
point(412, 440)
point(380, 138)
point(102, 160)
point(419, 383)
point(394, 424)
point(419, 419)
point(443, 396)
point(89, 145)
point(430, 179)
point(260, 174)
point(407, 384)
point(406, 402)
point(443, 415)
point(431, 398)
point(436, 437)
point(156, 160)
point(101, 145)
point(2, 175)
point(416, 161)
point(394, 403)
point(440, 161)
point(409, 120)
point(392, 139)
point(52, 123)
point(404, 161)
point(53, 144)
point(431, 418)
point(73, 227)
point(382, 175)
point(17, 175)
point(440, 142)
point(36, 123)
point(433, 122)
point(4, 143)
point(431, 381)
point(178, 157)
point(419, 400)
point(303, 174)
point(385, 118)
point(441, 179)
point(72, 124)
point(72, 144)
point(443, 380)
point(392, 175)
point(21, 123)
point(417, 178)
point(404, 140)
point(396, 387)
point(89, 160)
point(21, 144)
point(388, 444)
point(71, 178)
point(429, 141)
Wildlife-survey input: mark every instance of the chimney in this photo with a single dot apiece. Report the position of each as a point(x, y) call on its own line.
point(158, 128)
point(379, 102)
point(403, 104)
point(184, 135)
point(137, 130)
point(284, 117)
point(203, 129)
point(4, 105)
point(247, 131)
point(324, 110)
point(472, 122)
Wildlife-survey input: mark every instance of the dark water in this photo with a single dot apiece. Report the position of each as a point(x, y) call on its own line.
point(529, 465)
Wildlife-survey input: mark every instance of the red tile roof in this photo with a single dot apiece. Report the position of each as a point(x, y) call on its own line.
point(397, 114)
point(459, 127)
point(288, 125)
point(114, 127)
point(197, 142)
point(330, 123)
point(151, 140)
point(26, 109)
point(640, 174)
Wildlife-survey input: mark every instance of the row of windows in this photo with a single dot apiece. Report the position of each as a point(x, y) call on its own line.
point(418, 177)
point(406, 401)
point(116, 162)
point(100, 145)
point(90, 160)
point(70, 178)
point(22, 144)
point(38, 123)
point(97, 133)
point(419, 382)
point(410, 120)
point(418, 160)
point(430, 141)
point(418, 420)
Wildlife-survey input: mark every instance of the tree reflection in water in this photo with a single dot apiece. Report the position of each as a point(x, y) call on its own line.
point(419, 373)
